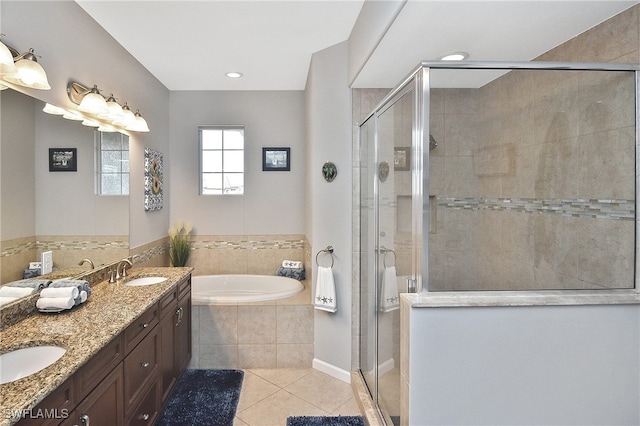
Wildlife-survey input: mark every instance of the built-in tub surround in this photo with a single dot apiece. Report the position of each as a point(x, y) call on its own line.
point(82, 331)
point(268, 334)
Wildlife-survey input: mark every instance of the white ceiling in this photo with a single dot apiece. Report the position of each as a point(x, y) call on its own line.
point(190, 45)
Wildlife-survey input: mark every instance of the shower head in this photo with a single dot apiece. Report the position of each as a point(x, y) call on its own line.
point(432, 143)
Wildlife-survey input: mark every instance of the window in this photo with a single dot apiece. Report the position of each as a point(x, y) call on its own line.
point(112, 163)
point(221, 159)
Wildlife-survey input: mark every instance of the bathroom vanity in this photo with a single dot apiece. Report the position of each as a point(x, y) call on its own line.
point(125, 351)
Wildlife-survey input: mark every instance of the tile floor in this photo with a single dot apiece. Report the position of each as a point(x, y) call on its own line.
point(269, 396)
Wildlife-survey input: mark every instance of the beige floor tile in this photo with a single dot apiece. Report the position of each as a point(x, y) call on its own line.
point(238, 422)
point(321, 390)
point(281, 377)
point(254, 390)
point(349, 408)
point(274, 410)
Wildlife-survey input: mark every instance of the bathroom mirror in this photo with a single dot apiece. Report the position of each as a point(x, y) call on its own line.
point(44, 210)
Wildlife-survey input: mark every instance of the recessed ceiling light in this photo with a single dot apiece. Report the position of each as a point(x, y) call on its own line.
point(234, 74)
point(455, 56)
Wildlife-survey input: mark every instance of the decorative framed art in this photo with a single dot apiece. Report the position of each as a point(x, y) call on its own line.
point(276, 159)
point(153, 171)
point(63, 159)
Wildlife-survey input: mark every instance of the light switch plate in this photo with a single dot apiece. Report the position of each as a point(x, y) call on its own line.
point(46, 258)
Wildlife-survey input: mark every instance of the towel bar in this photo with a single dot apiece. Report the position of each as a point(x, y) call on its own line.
point(329, 251)
point(384, 251)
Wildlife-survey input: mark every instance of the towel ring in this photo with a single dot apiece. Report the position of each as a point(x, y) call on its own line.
point(329, 251)
point(385, 251)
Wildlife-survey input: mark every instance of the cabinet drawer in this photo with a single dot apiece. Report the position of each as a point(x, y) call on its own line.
point(184, 288)
point(56, 407)
point(168, 303)
point(147, 411)
point(141, 367)
point(99, 366)
point(140, 328)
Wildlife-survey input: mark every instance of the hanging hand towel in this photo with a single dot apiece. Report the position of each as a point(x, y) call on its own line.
point(390, 299)
point(325, 298)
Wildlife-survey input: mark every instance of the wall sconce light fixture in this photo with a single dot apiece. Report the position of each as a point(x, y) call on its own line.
point(104, 113)
point(22, 69)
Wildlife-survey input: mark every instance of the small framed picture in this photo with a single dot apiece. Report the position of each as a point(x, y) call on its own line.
point(276, 159)
point(63, 159)
point(402, 158)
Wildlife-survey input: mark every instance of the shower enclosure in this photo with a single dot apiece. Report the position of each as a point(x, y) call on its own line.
point(492, 177)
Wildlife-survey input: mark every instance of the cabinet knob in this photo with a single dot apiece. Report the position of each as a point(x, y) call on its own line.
point(145, 325)
point(85, 419)
point(145, 416)
point(145, 364)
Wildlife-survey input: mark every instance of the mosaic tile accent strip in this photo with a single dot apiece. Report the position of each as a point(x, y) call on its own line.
point(82, 245)
point(594, 208)
point(150, 253)
point(248, 244)
point(19, 248)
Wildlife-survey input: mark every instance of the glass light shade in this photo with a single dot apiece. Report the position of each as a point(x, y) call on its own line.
point(107, 128)
point(3, 87)
point(71, 115)
point(6, 60)
point(29, 73)
point(127, 119)
point(90, 123)
point(115, 110)
point(52, 109)
point(139, 125)
point(94, 103)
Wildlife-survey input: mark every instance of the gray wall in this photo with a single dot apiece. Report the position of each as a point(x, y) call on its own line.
point(273, 202)
point(73, 47)
point(525, 365)
point(328, 205)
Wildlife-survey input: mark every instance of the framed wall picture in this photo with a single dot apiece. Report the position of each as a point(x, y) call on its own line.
point(276, 159)
point(63, 159)
point(402, 158)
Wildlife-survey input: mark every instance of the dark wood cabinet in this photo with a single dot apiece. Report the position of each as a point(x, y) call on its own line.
point(175, 331)
point(128, 380)
point(104, 406)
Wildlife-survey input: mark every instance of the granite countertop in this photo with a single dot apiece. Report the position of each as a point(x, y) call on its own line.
point(450, 299)
point(82, 331)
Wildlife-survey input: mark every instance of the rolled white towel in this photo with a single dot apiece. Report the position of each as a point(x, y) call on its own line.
point(5, 300)
point(65, 292)
point(6, 291)
point(83, 296)
point(50, 303)
point(291, 264)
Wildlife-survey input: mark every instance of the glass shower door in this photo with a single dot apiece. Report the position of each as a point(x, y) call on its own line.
point(386, 241)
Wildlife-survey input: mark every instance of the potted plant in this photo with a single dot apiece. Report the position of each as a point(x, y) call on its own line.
point(179, 244)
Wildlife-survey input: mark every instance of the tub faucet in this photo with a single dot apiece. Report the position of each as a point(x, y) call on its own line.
point(87, 260)
point(124, 263)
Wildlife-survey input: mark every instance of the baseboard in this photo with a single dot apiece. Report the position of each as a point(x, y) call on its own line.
point(332, 370)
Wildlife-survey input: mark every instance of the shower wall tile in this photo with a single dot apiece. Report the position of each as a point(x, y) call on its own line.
point(555, 243)
point(606, 101)
point(609, 40)
point(553, 161)
point(605, 252)
point(604, 158)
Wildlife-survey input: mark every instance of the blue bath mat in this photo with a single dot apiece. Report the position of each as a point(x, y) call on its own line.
point(325, 421)
point(203, 397)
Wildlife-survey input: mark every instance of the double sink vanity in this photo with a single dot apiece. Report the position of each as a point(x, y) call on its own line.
point(112, 360)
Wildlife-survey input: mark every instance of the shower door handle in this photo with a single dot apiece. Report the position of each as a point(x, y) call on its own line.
point(411, 285)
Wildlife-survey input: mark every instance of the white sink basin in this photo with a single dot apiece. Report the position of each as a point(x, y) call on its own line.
point(21, 363)
point(145, 281)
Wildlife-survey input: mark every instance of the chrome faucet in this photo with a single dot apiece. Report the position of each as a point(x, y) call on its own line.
point(124, 263)
point(82, 262)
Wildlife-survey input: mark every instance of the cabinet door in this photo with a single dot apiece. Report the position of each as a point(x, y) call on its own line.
point(141, 367)
point(167, 352)
point(183, 334)
point(104, 406)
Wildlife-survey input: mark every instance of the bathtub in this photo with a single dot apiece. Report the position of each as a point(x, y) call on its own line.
point(242, 288)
